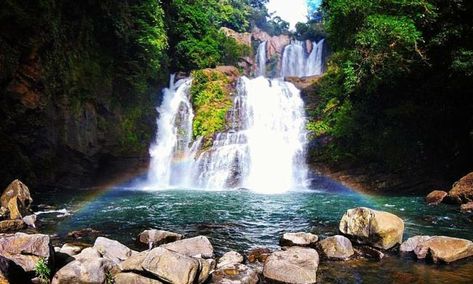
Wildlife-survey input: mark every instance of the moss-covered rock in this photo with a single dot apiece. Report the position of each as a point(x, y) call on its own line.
point(211, 95)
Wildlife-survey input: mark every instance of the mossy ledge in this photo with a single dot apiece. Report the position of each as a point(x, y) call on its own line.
point(211, 94)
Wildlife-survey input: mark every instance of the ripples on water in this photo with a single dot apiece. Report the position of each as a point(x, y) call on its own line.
point(240, 220)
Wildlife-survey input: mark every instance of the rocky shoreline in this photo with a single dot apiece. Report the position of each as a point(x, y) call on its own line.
point(168, 257)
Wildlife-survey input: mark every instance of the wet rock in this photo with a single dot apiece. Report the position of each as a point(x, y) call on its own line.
point(85, 270)
point(10, 272)
point(336, 247)
point(112, 249)
point(171, 266)
point(157, 237)
point(235, 274)
point(377, 228)
point(17, 199)
point(258, 254)
point(230, 258)
point(436, 197)
point(206, 266)
point(72, 248)
point(197, 247)
point(134, 278)
point(411, 243)
point(294, 265)
point(30, 220)
point(26, 250)
point(444, 249)
point(462, 190)
point(84, 234)
point(300, 239)
point(467, 207)
point(11, 225)
point(369, 252)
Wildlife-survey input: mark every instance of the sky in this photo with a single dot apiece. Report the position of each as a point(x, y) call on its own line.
point(292, 11)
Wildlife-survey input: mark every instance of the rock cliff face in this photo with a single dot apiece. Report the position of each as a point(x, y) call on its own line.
point(49, 137)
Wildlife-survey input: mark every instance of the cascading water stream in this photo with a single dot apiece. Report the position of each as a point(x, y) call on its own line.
point(296, 62)
point(263, 146)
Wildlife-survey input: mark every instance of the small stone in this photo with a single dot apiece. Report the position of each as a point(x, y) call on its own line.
point(30, 220)
point(336, 247)
point(436, 197)
point(299, 239)
point(157, 237)
point(294, 265)
point(230, 258)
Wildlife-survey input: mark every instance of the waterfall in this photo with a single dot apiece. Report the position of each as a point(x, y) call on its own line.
point(261, 59)
point(262, 150)
point(173, 137)
point(296, 62)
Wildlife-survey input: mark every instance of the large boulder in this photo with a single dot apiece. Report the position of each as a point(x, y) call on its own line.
point(133, 278)
point(112, 249)
point(157, 237)
point(435, 197)
point(197, 247)
point(444, 249)
point(26, 250)
point(235, 274)
point(294, 265)
point(95, 270)
point(170, 266)
point(462, 190)
point(230, 258)
point(336, 247)
point(377, 228)
point(300, 239)
point(17, 199)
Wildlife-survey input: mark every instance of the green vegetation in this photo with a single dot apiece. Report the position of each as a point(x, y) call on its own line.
point(42, 271)
point(397, 92)
point(210, 93)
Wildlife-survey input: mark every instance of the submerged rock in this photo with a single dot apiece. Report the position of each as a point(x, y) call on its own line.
point(258, 254)
point(17, 199)
point(336, 247)
point(377, 228)
point(462, 190)
point(235, 274)
point(444, 249)
point(26, 250)
point(171, 267)
point(157, 237)
point(300, 239)
point(230, 258)
point(369, 252)
point(84, 234)
point(111, 249)
point(294, 265)
point(197, 247)
point(436, 197)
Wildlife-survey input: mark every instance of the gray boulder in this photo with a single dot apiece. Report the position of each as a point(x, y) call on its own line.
point(444, 249)
point(336, 247)
point(196, 247)
point(112, 249)
point(294, 265)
